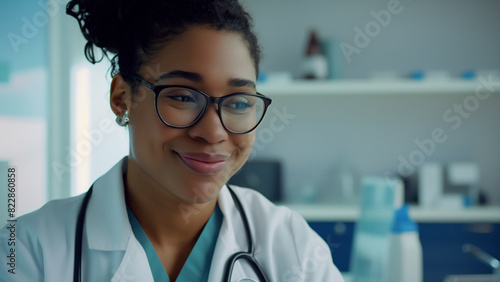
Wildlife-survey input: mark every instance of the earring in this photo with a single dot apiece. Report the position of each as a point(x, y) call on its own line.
point(122, 121)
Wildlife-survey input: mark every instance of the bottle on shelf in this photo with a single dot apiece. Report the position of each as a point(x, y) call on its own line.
point(315, 64)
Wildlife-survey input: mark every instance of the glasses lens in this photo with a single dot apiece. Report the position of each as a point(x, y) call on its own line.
point(180, 106)
point(242, 112)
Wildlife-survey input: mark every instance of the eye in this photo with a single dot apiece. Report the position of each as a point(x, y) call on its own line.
point(178, 95)
point(183, 98)
point(180, 99)
point(239, 103)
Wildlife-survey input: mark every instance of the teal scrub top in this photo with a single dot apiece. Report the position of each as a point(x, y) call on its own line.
point(197, 265)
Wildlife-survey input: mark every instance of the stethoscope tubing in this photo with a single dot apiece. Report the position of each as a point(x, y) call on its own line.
point(248, 255)
point(77, 268)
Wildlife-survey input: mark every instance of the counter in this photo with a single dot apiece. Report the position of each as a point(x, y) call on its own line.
point(442, 232)
point(336, 213)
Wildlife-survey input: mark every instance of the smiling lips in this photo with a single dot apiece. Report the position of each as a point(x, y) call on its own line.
point(204, 163)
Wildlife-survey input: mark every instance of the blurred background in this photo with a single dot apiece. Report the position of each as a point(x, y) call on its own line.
point(406, 89)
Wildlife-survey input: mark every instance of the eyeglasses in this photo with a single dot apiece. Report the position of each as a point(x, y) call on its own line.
point(182, 106)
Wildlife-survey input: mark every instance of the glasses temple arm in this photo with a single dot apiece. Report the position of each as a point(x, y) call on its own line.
point(144, 82)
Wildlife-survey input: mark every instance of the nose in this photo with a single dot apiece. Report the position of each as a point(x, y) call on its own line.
point(209, 128)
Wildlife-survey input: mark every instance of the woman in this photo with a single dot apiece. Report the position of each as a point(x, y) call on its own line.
point(184, 75)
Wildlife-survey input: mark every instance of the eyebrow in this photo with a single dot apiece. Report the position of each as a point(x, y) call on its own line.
point(193, 76)
point(240, 82)
point(196, 77)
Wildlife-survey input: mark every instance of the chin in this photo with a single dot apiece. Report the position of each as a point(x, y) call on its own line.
point(202, 192)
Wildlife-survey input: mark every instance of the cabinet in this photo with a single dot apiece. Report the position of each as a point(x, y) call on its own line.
point(442, 234)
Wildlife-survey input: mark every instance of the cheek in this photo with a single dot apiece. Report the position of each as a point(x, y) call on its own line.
point(247, 141)
point(145, 127)
point(244, 143)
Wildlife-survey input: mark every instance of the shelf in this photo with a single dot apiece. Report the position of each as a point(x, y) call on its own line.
point(372, 87)
point(332, 213)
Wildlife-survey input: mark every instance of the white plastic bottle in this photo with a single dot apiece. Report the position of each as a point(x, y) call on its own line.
point(405, 251)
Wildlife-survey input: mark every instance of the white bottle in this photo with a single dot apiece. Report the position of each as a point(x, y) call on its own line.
point(405, 251)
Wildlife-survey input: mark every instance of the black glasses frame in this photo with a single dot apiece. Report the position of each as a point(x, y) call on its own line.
point(210, 100)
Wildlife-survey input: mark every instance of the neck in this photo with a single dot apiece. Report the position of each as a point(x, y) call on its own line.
point(165, 218)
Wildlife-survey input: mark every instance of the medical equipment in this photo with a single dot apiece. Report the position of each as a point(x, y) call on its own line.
point(248, 255)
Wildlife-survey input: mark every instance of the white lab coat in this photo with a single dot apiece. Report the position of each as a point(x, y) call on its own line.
point(285, 246)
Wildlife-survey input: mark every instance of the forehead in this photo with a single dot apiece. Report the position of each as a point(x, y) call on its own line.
point(212, 53)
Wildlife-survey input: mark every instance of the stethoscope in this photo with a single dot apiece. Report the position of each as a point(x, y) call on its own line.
point(248, 255)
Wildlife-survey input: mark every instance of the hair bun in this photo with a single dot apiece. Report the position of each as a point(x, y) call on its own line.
point(134, 30)
point(103, 24)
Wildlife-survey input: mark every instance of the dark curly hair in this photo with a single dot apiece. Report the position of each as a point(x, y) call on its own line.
point(134, 30)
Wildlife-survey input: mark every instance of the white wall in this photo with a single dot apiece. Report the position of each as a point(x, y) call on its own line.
point(371, 132)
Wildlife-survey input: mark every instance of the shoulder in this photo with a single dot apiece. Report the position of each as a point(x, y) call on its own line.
point(266, 215)
point(257, 204)
point(31, 237)
point(55, 214)
point(263, 212)
point(53, 221)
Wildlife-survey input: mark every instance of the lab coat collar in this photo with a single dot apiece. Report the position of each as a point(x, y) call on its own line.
point(106, 221)
point(232, 222)
point(228, 243)
point(108, 227)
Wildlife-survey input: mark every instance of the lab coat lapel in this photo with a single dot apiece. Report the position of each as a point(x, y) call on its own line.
point(232, 239)
point(134, 266)
point(107, 225)
point(108, 229)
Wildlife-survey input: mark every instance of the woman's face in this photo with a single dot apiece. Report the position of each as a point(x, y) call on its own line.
point(193, 163)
